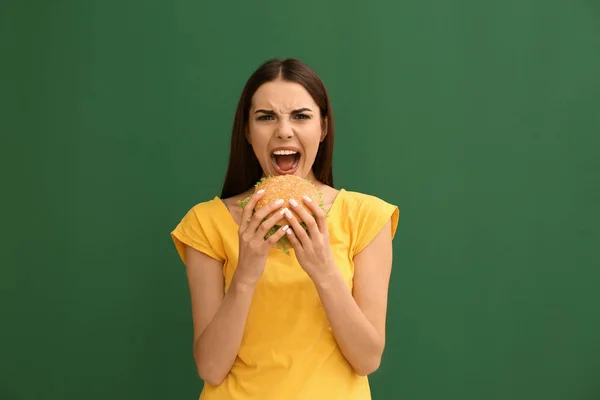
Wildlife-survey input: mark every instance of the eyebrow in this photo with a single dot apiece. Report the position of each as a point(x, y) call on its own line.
point(271, 112)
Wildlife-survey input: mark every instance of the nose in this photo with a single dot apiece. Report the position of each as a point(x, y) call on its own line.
point(284, 130)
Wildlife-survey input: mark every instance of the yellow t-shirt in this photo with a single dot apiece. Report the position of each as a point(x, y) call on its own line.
point(288, 351)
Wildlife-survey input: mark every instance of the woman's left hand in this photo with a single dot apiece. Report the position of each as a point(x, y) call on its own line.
point(312, 248)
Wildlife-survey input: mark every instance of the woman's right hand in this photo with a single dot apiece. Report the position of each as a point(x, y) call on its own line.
point(253, 248)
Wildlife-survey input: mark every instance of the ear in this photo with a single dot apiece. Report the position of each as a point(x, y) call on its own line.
point(324, 129)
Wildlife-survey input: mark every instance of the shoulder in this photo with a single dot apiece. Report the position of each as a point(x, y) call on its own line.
point(361, 198)
point(204, 212)
point(200, 228)
point(366, 215)
point(206, 206)
point(364, 202)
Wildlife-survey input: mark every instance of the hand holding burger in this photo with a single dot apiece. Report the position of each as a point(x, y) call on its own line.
point(303, 219)
point(286, 188)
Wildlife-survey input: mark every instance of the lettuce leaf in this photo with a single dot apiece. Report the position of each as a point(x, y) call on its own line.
point(283, 244)
point(242, 203)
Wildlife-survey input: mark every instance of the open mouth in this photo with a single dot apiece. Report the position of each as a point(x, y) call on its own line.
point(285, 161)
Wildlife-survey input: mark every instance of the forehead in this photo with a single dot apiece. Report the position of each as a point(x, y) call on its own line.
point(282, 96)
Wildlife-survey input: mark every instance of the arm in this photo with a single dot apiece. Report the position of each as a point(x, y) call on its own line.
point(358, 320)
point(218, 319)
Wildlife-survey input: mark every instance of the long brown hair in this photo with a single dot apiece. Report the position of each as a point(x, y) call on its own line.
point(244, 169)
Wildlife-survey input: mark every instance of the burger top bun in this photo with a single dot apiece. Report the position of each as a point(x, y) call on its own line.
point(287, 187)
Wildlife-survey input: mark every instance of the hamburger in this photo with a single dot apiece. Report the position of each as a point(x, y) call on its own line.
point(285, 187)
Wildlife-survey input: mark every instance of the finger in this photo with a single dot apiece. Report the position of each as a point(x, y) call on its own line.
point(270, 222)
point(259, 216)
point(293, 238)
point(299, 231)
point(247, 210)
point(305, 216)
point(277, 235)
point(319, 214)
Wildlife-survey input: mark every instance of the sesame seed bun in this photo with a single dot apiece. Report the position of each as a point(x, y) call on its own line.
point(287, 187)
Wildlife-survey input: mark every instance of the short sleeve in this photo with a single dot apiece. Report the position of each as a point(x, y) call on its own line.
point(371, 216)
point(198, 231)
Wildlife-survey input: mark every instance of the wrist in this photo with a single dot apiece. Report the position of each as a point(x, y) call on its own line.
point(242, 281)
point(326, 276)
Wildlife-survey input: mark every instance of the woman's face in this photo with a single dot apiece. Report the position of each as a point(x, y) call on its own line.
point(285, 129)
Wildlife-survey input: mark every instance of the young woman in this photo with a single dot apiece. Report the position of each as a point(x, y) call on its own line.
point(309, 324)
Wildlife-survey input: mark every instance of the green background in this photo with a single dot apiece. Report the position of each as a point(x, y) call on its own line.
point(480, 120)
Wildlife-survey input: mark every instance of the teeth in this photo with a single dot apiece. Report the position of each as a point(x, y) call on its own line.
point(284, 152)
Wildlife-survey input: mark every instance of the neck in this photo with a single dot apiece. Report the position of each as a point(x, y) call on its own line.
point(311, 177)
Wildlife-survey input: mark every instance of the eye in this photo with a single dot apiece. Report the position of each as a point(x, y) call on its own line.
point(265, 117)
point(302, 116)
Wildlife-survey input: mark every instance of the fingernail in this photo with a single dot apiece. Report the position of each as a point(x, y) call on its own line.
point(279, 202)
point(261, 191)
point(285, 228)
point(307, 199)
point(288, 213)
point(293, 202)
point(285, 210)
point(289, 232)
